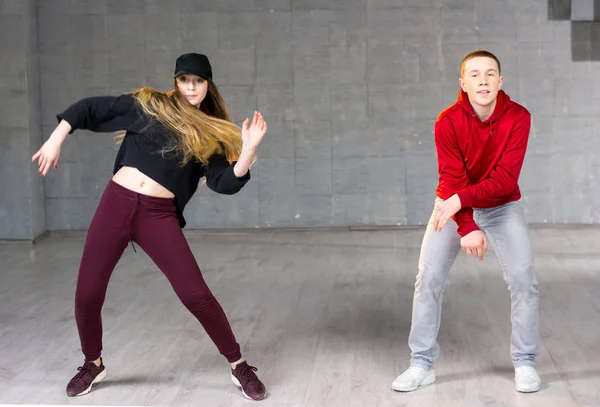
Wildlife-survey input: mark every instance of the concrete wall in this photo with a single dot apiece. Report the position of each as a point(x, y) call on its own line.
point(22, 203)
point(350, 90)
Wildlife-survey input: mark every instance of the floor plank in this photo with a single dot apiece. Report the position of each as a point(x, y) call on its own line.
point(324, 315)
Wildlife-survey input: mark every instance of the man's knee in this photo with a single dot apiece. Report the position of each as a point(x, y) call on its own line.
point(521, 278)
point(431, 277)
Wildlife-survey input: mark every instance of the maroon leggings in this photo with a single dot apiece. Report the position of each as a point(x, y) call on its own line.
point(123, 216)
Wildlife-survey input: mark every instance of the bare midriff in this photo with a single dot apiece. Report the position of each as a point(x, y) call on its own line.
point(134, 180)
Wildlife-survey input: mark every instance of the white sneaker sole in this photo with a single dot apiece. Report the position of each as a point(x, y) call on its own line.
point(238, 384)
point(528, 389)
point(98, 379)
point(427, 380)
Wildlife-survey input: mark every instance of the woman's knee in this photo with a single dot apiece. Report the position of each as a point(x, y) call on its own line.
point(198, 300)
point(88, 301)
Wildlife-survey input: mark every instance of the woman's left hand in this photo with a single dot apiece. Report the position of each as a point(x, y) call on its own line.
point(252, 133)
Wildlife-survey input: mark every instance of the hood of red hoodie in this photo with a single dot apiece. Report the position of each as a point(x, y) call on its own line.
point(502, 102)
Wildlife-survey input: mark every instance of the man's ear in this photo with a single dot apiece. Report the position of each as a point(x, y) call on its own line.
point(461, 82)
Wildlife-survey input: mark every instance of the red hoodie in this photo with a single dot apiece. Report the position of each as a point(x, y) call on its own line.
point(480, 161)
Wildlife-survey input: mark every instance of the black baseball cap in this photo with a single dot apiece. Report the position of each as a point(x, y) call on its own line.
point(193, 63)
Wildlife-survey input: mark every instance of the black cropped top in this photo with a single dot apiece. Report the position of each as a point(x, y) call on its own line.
point(142, 147)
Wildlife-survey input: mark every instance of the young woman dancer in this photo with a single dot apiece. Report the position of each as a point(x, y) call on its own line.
point(171, 141)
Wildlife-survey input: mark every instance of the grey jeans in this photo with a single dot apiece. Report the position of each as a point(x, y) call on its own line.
point(508, 233)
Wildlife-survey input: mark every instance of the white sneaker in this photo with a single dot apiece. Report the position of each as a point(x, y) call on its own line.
point(526, 379)
point(413, 378)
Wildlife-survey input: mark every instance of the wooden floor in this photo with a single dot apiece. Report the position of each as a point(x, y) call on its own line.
point(324, 315)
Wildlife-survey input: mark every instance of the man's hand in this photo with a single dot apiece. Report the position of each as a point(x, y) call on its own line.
point(474, 244)
point(444, 211)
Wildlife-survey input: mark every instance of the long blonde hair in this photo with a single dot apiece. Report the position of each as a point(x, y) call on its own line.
point(201, 132)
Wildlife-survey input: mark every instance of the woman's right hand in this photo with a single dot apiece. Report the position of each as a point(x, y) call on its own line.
point(50, 152)
point(47, 155)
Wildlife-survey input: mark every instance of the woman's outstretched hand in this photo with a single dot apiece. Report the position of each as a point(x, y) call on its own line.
point(49, 153)
point(47, 156)
point(253, 132)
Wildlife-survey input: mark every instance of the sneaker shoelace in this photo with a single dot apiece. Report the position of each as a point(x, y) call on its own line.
point(84, 371)
point(415, 371)
point(246, 373)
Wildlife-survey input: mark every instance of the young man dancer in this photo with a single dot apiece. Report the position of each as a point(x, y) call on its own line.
point(481, 142)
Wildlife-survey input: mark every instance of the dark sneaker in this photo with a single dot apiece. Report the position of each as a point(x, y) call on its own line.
point(82, 382)
point(244, 377)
